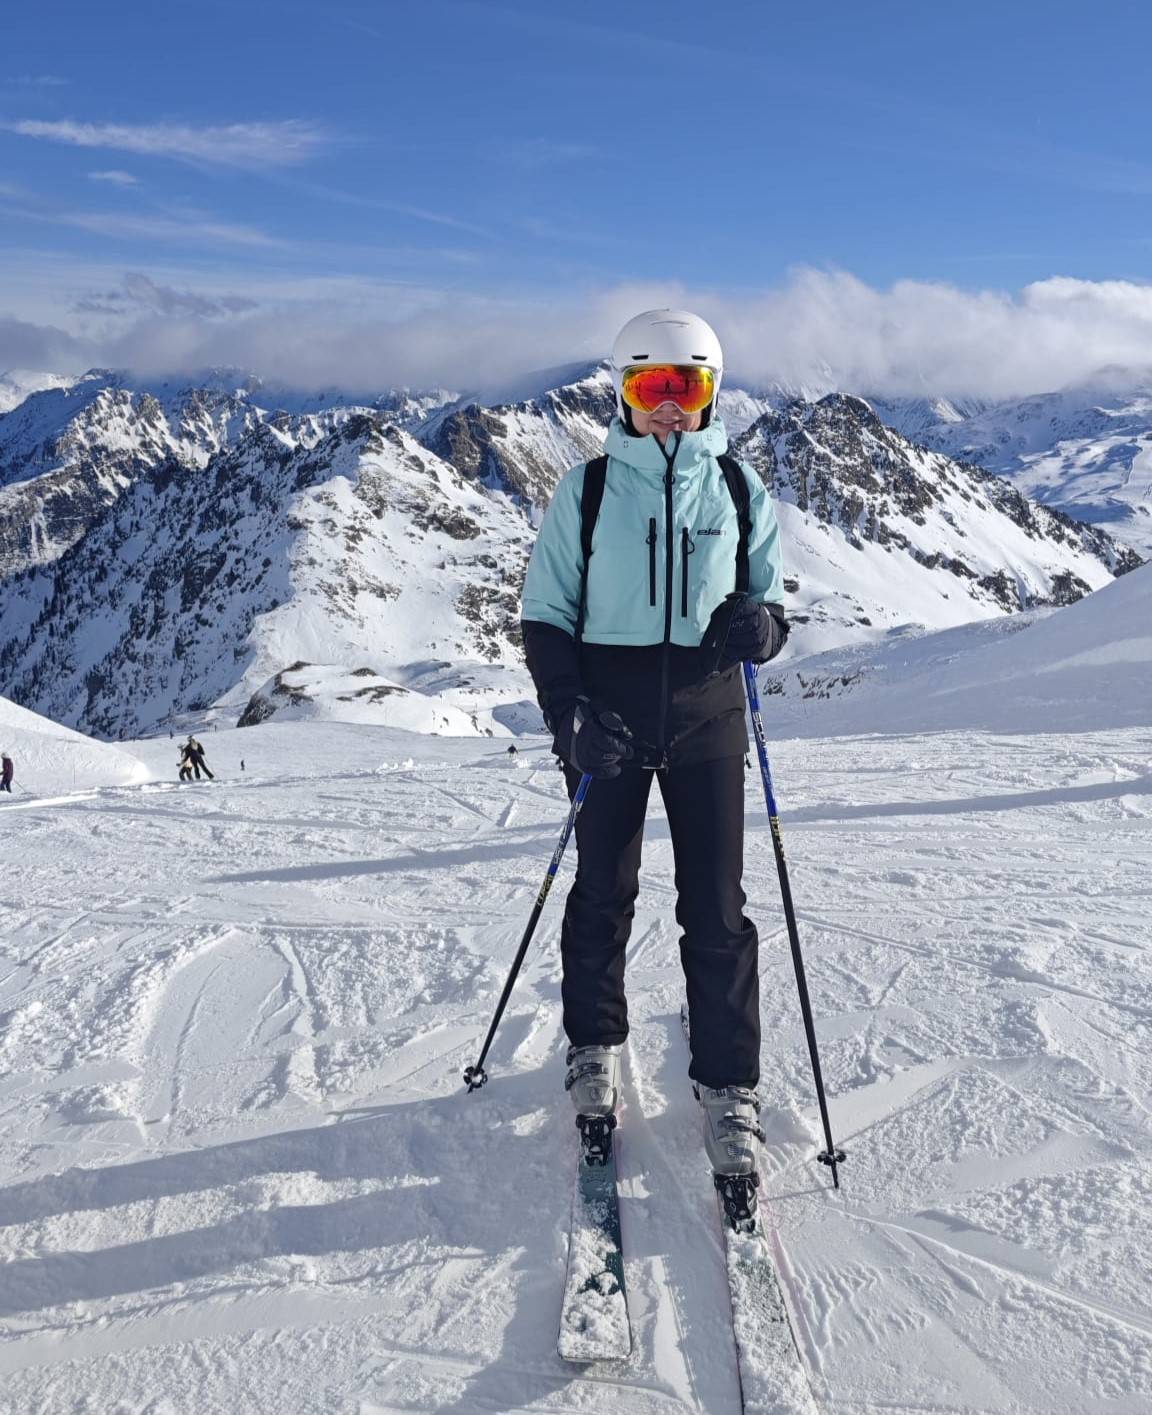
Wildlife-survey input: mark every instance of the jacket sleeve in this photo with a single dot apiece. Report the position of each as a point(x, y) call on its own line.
point(552, 584)
point(765, 567)
point(554, 663)
point(551, 602)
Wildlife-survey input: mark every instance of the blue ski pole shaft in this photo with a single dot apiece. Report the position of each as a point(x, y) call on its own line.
point(475, 1076)
point(831, 1156)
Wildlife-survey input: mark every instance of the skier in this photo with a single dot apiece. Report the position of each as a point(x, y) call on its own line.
point(637, 614)
point(7, 771)
point(196, 757)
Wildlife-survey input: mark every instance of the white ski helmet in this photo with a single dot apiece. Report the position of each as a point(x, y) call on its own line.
point(666, 337)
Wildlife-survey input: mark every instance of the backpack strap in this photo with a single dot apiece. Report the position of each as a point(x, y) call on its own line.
point(591, 495)
point(742, 500)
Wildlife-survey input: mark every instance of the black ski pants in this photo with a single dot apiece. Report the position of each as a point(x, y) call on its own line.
point(704, 802)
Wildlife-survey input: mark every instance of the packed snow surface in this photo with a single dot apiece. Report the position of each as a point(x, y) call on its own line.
point(239, 1171)
point(1086, 666)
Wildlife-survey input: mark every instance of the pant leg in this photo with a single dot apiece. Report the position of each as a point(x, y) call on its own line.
point(719, 946)
point(601, 903)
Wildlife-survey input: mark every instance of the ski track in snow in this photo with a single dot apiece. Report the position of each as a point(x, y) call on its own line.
point(239, 1171)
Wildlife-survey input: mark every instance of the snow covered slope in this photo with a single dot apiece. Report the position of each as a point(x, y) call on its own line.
point(1087, 451)
point(879, 533)
point(70, 449)
point(239, 1172)
point(174, 549)
point(310, 692)
point(50, 759)
point(16, 384)
point(197, 587)
point(1083, 667)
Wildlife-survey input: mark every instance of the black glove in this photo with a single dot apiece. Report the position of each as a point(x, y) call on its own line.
point(593, 742)
point(742, 630)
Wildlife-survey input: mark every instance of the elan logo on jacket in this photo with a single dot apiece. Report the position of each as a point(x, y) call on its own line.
point(716, 532)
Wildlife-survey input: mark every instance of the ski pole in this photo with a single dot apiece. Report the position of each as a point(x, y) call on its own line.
point(475, 1076)
point(831, 1156)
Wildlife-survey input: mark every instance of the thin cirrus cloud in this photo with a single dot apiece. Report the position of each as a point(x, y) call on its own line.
point(283, 144)
point(180, 227)
point(187, 229)
point(115, 178)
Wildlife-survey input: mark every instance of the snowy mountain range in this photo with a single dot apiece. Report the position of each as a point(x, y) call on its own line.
point(1084, 450)
point(182, 549)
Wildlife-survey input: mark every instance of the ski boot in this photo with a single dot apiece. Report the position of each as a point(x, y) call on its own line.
point(593, 1081)
point(731, 1132)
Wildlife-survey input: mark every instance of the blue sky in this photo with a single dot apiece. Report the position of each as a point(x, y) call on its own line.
point(182, 167)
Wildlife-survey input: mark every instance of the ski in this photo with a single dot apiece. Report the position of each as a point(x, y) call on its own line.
point(770, 1368)
point(594, 1323)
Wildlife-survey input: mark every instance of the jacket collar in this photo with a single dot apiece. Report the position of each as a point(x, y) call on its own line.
point(646, 454)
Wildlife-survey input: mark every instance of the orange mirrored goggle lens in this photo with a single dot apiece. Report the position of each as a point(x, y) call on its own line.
point(645, 386)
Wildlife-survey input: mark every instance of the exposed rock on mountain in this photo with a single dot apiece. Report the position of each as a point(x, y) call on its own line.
point(524, 448)
point(68, 453)
point(1086, 451)
point(987, 548)
point(199, 584)
point(173, 549)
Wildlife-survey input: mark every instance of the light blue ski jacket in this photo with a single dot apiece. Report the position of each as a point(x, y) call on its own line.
point(662, 558)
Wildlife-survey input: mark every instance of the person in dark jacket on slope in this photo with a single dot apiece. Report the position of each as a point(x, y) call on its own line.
point(635, 652)
point(7, 771)
point(195, 755)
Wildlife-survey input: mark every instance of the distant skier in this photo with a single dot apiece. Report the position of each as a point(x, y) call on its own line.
point(511, 751)
point(635, 651)
point(7, 771)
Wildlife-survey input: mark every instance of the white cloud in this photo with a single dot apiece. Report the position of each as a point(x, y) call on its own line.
point(916, 337)
point(232, 145)
point(818, 329)
point(117, 178)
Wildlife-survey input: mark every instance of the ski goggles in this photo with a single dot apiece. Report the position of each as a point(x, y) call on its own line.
point(646, 386)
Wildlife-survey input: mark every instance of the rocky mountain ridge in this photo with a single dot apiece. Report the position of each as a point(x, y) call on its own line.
point(175, 548)
point(1083, 450)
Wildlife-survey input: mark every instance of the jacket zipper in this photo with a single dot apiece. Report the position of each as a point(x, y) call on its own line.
point(669, 542)
point(652, 561)
point(687, 546)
